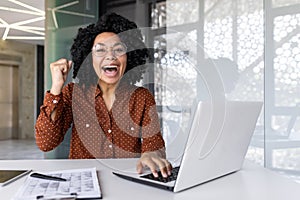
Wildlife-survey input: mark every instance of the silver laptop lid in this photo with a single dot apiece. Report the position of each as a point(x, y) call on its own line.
point(218, 141)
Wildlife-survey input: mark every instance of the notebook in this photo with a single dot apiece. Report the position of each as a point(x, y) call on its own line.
point(216, 146)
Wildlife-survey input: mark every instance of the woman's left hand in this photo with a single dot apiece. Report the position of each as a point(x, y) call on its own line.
point(154, 160)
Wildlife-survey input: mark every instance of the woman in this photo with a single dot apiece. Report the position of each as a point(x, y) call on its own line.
point(111, 117)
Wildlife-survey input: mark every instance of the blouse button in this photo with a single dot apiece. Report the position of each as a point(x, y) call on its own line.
point(55, 101)
point(109, 131)
point(87, 125)
point(132, 128)
point(110, 146)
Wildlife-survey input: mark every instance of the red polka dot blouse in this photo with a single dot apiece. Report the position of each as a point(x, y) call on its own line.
point(130, 128)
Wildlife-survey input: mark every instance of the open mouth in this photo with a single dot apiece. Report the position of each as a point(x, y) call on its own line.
point(110, 70)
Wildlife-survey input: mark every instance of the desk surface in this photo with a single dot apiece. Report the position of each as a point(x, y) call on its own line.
point(251, 183)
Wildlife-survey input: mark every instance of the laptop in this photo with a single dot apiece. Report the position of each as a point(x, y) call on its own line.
point(216, 145)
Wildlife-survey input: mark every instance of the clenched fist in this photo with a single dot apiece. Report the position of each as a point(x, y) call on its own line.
point(59, 72)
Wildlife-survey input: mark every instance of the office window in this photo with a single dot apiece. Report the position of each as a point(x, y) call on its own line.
point(283, 3)
point(172, 73)
point(257, 46)
point(282, 128)
point(158, 15)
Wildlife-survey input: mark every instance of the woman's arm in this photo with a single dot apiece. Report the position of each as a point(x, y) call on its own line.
point(50, 129)
point(55, 114)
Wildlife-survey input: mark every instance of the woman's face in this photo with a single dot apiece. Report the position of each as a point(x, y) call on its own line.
point(109, 58)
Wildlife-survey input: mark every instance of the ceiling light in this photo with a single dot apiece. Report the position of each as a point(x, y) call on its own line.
point(25, 38)
point(28, 6)
point(38, 15)
point(20, 11)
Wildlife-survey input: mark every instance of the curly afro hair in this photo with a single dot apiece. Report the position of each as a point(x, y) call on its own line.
point(129, 34)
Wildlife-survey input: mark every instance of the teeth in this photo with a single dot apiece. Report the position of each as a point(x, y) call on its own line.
point(110, 67)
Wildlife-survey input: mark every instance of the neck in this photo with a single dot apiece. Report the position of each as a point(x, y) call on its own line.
point(108, 93)
point(108, 89)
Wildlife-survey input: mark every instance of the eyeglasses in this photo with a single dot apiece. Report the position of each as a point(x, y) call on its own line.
point(117, 49)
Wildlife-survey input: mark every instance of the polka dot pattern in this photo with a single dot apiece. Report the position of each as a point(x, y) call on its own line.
point(130, 128)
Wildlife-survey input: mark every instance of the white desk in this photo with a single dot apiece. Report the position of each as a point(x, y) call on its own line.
point(251, 183)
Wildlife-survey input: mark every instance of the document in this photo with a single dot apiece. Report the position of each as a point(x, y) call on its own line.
point(78, 184)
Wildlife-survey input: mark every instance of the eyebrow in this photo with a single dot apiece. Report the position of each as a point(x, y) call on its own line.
point(116, 44)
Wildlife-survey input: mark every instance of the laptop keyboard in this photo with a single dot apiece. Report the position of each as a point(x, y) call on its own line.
point(160, 178)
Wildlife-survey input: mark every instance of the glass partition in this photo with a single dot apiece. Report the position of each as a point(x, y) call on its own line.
point(255, 47)
point(63, 18)
point(282, 133)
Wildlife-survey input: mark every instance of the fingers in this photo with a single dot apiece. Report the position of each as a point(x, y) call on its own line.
point(146, 162)
point(154, 162)
point(59, 71)
point(168, 167)
point(152, 167)
point(70, 64)
point(62, 65)
point(164, 166)
point(139, 167)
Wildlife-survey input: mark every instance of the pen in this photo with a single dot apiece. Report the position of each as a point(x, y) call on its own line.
point(47, 177)
point(71, 196)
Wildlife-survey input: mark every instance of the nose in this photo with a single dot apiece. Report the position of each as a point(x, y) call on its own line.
point(110, 55)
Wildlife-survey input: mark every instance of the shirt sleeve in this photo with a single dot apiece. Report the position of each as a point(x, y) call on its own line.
point(152, 139)
point(50, 133)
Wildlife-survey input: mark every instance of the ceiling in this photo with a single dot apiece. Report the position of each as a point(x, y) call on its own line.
point(22, 20)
